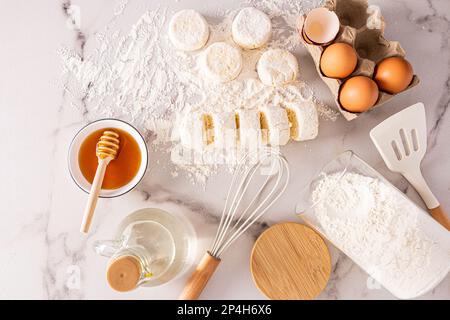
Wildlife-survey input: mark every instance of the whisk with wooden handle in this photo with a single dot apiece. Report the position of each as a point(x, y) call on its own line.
point(270, 172)
point(107, 150)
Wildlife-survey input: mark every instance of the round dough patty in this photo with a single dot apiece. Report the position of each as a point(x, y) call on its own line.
point(277, 66)
point(222, 62)
point(251, 28)
point(188, 30)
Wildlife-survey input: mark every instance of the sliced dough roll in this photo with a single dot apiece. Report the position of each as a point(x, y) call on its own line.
point(277, 67)
point(249, 128)
point(251, 28)
point(275, 122)
point(272, 125)
point(304, 120)
point(222, 62)
point(208, 129)
point(225, 133)
point(188, 30)
point(192, 131)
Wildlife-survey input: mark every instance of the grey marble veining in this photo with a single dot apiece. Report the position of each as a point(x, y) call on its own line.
point(43, 254)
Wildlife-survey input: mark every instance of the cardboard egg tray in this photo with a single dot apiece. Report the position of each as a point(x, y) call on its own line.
point(363, 28)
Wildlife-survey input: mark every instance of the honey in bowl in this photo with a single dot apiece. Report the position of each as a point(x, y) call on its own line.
point(121, 170)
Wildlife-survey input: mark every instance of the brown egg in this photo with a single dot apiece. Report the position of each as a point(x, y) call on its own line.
point(358, 94)
point(393, 74)
point(338, 60)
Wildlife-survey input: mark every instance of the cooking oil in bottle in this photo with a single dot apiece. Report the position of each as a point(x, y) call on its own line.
point(151, 247)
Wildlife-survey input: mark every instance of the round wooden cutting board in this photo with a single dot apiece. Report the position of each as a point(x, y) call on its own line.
point(290, 261)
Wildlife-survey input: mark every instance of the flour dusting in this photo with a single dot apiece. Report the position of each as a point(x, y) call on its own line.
point(140, 77)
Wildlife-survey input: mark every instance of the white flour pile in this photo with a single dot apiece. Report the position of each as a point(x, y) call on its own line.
point(382, 232)
point(140, 77)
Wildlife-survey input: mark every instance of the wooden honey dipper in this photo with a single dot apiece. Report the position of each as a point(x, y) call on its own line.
point(107, 150)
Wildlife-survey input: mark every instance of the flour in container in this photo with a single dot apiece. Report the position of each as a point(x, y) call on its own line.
point(381, 231)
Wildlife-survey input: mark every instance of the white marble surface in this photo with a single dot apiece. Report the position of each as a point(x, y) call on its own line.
point(40, 246)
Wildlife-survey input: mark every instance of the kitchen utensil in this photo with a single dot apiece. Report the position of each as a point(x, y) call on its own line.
point(150, 247)
point(436, 267)
point(242, 208)
point(107, 150)
point(290, 261)
point(402, 141)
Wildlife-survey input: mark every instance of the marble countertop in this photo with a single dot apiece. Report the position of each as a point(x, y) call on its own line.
point(43, 255)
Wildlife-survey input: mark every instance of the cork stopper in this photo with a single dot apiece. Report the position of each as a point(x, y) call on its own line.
point(123, 273)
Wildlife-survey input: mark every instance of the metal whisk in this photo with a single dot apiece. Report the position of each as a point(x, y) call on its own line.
point(266, 163)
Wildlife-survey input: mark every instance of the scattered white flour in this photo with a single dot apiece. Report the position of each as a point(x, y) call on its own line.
point(383, 232)
point(140, 77)
point(120, 7)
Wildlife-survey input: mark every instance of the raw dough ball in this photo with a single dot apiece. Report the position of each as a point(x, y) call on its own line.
point(277, 66)
point(222, 62)
point(188, 30)
point(251, 28)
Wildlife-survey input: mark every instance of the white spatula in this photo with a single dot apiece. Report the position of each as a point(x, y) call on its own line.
point(402, 142)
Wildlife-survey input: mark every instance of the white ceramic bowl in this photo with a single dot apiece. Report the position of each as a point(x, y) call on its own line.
point(75, 145)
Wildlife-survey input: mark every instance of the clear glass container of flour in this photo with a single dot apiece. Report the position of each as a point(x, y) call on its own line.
point(150, 248)
point(361, 213)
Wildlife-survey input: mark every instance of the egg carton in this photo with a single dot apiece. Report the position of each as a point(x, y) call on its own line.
point(361, 26)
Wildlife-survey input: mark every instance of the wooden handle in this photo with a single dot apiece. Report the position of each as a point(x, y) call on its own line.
point(93, 195)
point(198, 280)
point(440, 216)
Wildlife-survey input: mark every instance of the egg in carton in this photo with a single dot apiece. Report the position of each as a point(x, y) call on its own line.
point(362, 27)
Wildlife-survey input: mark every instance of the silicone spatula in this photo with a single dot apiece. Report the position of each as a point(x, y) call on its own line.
point(402, 141)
